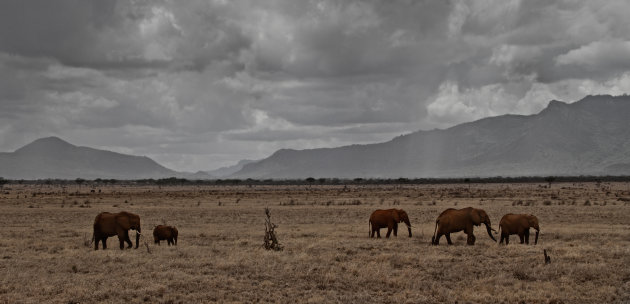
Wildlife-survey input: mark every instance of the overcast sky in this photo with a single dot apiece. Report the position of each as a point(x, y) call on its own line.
point(200, 84)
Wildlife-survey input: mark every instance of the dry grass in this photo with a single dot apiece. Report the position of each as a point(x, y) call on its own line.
point(327, 256)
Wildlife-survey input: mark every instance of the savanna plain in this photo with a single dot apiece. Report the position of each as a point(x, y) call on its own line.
point(46, 255)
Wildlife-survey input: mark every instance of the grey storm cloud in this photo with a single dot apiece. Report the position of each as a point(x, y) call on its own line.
point(203, 83)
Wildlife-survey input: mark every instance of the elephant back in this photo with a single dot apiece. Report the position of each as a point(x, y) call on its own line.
point(446, 212)
point(101, 216)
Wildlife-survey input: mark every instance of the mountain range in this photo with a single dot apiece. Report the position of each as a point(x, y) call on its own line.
point(229, 170)
point(52, 157)
point(587, 137)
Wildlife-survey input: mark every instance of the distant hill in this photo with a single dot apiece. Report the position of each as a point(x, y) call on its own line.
point(52, 157)
point(588, 137)
point(229, 170)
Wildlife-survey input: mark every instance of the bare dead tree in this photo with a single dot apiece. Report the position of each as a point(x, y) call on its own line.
point(271, 241)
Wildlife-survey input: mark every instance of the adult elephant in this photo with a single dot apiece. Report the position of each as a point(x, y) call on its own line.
point(163, 232)
point(455, 220)
point(110, 224)
point(388, 219)
point(518, 224)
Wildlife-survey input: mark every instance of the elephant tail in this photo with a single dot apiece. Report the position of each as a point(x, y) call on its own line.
point(95, 230)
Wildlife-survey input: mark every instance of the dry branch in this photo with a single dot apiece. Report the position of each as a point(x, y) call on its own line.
point(271, 241)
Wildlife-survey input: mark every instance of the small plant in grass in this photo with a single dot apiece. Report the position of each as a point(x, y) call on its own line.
point(147, 246)
point(271, 241)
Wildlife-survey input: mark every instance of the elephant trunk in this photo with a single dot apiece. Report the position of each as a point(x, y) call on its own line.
point(536, 239)
point(489, 229)
point(408, 226)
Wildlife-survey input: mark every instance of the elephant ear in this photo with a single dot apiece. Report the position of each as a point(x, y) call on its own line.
point(123, 221)
point(395, 215)
point(532, 220)
point(475, 215)
point(403, 215)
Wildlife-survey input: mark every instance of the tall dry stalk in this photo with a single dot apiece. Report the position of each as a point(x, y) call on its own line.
point(271, 241)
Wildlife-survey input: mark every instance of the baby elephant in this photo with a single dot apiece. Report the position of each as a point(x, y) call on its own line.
point(518, 224)
point(163, 232)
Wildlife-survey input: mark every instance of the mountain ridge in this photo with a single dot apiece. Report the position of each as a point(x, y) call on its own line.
point(581, 138)
point(586, 137)
point(228, 170)
point(52, 157)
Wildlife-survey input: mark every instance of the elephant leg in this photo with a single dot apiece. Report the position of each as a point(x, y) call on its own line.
point(436, 239)
point(378, 233)
point(372, 235)
point(448, 238)
point(527, 236)
point(122, 237)
point(471, 239)
point(128, 240)
point(169, 241)
point(389, 231)
point(104, 242)
point(96, 239)
point(395, 229)
point(502, 238)
point(521, 236)
point(507, 240)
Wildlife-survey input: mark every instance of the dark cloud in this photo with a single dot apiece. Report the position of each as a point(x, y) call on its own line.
point(198, 84)
point(68, 31)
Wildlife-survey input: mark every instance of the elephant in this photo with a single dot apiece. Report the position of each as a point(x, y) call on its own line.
point(109, 224)
point(455, 220)
point(387, 219)
point(163, 232)
point(518, 224)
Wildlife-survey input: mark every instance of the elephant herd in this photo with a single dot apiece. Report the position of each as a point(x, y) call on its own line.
point(118, 224)
point(455, 220)
point(449, 221)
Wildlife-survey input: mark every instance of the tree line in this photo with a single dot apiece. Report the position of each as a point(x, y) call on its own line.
point(324, 181)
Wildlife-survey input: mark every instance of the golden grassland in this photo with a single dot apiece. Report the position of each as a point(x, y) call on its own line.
point(328, 257)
